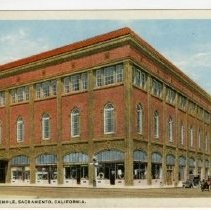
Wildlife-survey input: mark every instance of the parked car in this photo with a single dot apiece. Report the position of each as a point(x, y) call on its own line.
point(188, 183)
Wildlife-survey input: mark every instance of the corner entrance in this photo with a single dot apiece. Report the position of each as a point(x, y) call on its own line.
point(3, 170)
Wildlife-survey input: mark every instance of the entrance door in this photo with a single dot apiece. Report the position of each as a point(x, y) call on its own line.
point(3, 169)
point(169, 177)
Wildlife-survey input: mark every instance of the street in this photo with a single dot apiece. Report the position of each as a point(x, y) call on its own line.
point(24, 196)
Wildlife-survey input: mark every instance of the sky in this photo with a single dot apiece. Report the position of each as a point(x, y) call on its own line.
point(186, 43)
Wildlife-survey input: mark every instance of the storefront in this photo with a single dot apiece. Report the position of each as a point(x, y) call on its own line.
point(76, 169)
point(182, 167)
point(46, 169)
point(156, 169)
point(110, 170)
point(20, 170)
point(170, 166)
point(140, 167)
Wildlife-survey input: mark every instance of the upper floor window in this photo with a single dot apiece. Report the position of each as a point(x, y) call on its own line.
point(75, 82)
point(170, 129)
point(108, 119)
point(192, 107)
point(157, 88)
point(139, 77)
point(156, 124)
point(20, 130)
point(199, 139)
point(182, 101)
point(46, 89)
point(139, 110)
point(109, 75)
point(206, 143)
point(207, 117)
point(2, 98)
point(181, 134)
point(45, 127)
point(1, 133)
point(20, 94)
point(191, 136)
point(171, 95)
point(75, 123)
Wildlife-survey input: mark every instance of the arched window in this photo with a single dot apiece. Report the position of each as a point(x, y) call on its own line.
point(1, 132)
point(46, 159)
point(181, 134)
point(20, 160)
point(110, 155)
point(170, 160)
point(199, 139)
point(109, 118)
point(170, 129)
point(156, 157)
point(191, 136)
point(156, 124)
point(75, 123)
point(139, 110)
point(182, 161)
point(20, 129)
point(45, 127)
point(76, 157)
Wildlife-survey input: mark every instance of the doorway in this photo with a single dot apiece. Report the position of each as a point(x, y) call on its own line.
point(3, 170)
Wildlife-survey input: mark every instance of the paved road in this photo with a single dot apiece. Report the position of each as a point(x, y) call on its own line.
point(59, 197)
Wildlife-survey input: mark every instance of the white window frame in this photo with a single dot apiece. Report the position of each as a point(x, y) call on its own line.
point(20, 130)
point(75, 123)
point(1, 133)
point(139, 110)
point(156, 124)
point(109, 119)
point(170, 126)
point(191, 136)
point(182, 134)
point(46, 125)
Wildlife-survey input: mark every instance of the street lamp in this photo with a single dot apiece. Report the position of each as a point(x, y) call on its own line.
point(95, 165)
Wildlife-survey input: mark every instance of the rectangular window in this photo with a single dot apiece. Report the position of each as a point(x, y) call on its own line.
point(84, 81)
point(66, 82)
point(171, 95)
point(119, 73)
point(139, 77)
point(157, 88)
point(2, 98)
point(206, 143)
point(46, 89)
point(20, 94)
point(75, 82)
point(109, 73)
point(53, 88)
point(99, 78)
point(182, 101)
point(26, 93)
point(13, 96)
point(38, 91)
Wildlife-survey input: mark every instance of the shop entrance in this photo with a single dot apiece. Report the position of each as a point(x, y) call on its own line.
point(3, 170)
point(76, 172)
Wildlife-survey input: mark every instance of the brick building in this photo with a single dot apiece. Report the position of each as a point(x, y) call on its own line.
point(112, 97)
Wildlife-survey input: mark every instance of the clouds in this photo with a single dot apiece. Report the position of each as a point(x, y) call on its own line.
point(20, 43)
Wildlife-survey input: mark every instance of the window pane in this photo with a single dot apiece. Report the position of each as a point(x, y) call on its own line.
point(119, 73)
point(75, 123)
point(75, 82)
point(46, 127)
point(109, 73)
point(109, 119)
point(66, 84)
point(84, 81)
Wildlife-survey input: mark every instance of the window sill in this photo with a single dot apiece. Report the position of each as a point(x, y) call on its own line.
point(19, 103)
point(46, 98)
point(108, 86)
point(74, 93)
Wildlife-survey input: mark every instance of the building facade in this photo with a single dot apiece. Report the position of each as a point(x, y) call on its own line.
point(109, 110)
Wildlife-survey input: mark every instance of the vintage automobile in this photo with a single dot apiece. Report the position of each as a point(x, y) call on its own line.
point(193, 181)
point(188, 183)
